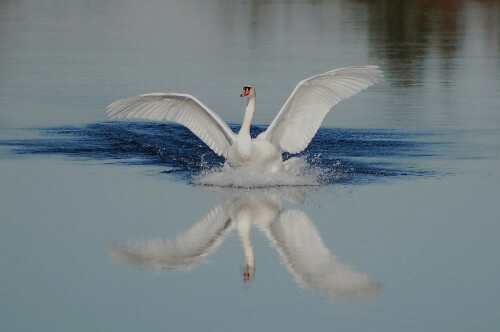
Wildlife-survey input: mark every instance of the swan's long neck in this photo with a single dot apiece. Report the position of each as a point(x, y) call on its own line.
point(247, 119)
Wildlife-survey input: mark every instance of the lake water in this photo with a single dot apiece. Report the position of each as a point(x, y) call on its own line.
point(104, 226)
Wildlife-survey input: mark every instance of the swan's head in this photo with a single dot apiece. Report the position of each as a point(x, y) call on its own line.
point(248, 91)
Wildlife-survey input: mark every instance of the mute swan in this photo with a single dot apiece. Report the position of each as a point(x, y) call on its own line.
point(291, 130)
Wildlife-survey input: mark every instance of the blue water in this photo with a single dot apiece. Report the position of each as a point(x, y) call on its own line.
point(131, 226)
point(344, 155)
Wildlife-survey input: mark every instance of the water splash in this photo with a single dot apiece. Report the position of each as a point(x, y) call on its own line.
point(299, 174)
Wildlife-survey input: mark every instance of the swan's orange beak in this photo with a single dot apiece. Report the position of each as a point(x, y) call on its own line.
point(246, 91)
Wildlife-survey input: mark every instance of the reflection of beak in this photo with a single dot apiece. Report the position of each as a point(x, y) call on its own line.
point(248, 273)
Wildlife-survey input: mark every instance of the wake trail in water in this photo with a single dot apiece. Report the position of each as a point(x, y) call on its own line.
point(334, 155)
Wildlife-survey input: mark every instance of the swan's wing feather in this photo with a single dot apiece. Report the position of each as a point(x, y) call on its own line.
point(300, 117)
point(181, 108)
point(183, 252)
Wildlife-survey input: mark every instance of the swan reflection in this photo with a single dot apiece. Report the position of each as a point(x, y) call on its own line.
point(290, 231)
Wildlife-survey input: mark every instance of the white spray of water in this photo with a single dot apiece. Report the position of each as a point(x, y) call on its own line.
point(299, 173)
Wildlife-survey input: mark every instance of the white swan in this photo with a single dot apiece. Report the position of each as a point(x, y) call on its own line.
point(291, 130)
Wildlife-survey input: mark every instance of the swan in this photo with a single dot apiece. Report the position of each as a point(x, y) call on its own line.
point(291, 131)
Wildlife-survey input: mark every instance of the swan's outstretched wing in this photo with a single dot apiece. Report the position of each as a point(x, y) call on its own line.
point(181, 253)
point(181, 108)
point(312, 264)
point(300, 117)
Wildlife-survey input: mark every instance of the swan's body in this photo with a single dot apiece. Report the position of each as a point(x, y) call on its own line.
point(291, 130)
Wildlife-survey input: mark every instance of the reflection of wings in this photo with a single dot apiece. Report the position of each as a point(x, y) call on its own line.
point(312, 264)
point(185, 251)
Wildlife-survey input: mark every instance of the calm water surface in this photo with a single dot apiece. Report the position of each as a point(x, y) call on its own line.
point(102, 225)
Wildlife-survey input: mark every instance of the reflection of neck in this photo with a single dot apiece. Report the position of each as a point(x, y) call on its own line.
point(244, 232)
point(247, 119)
